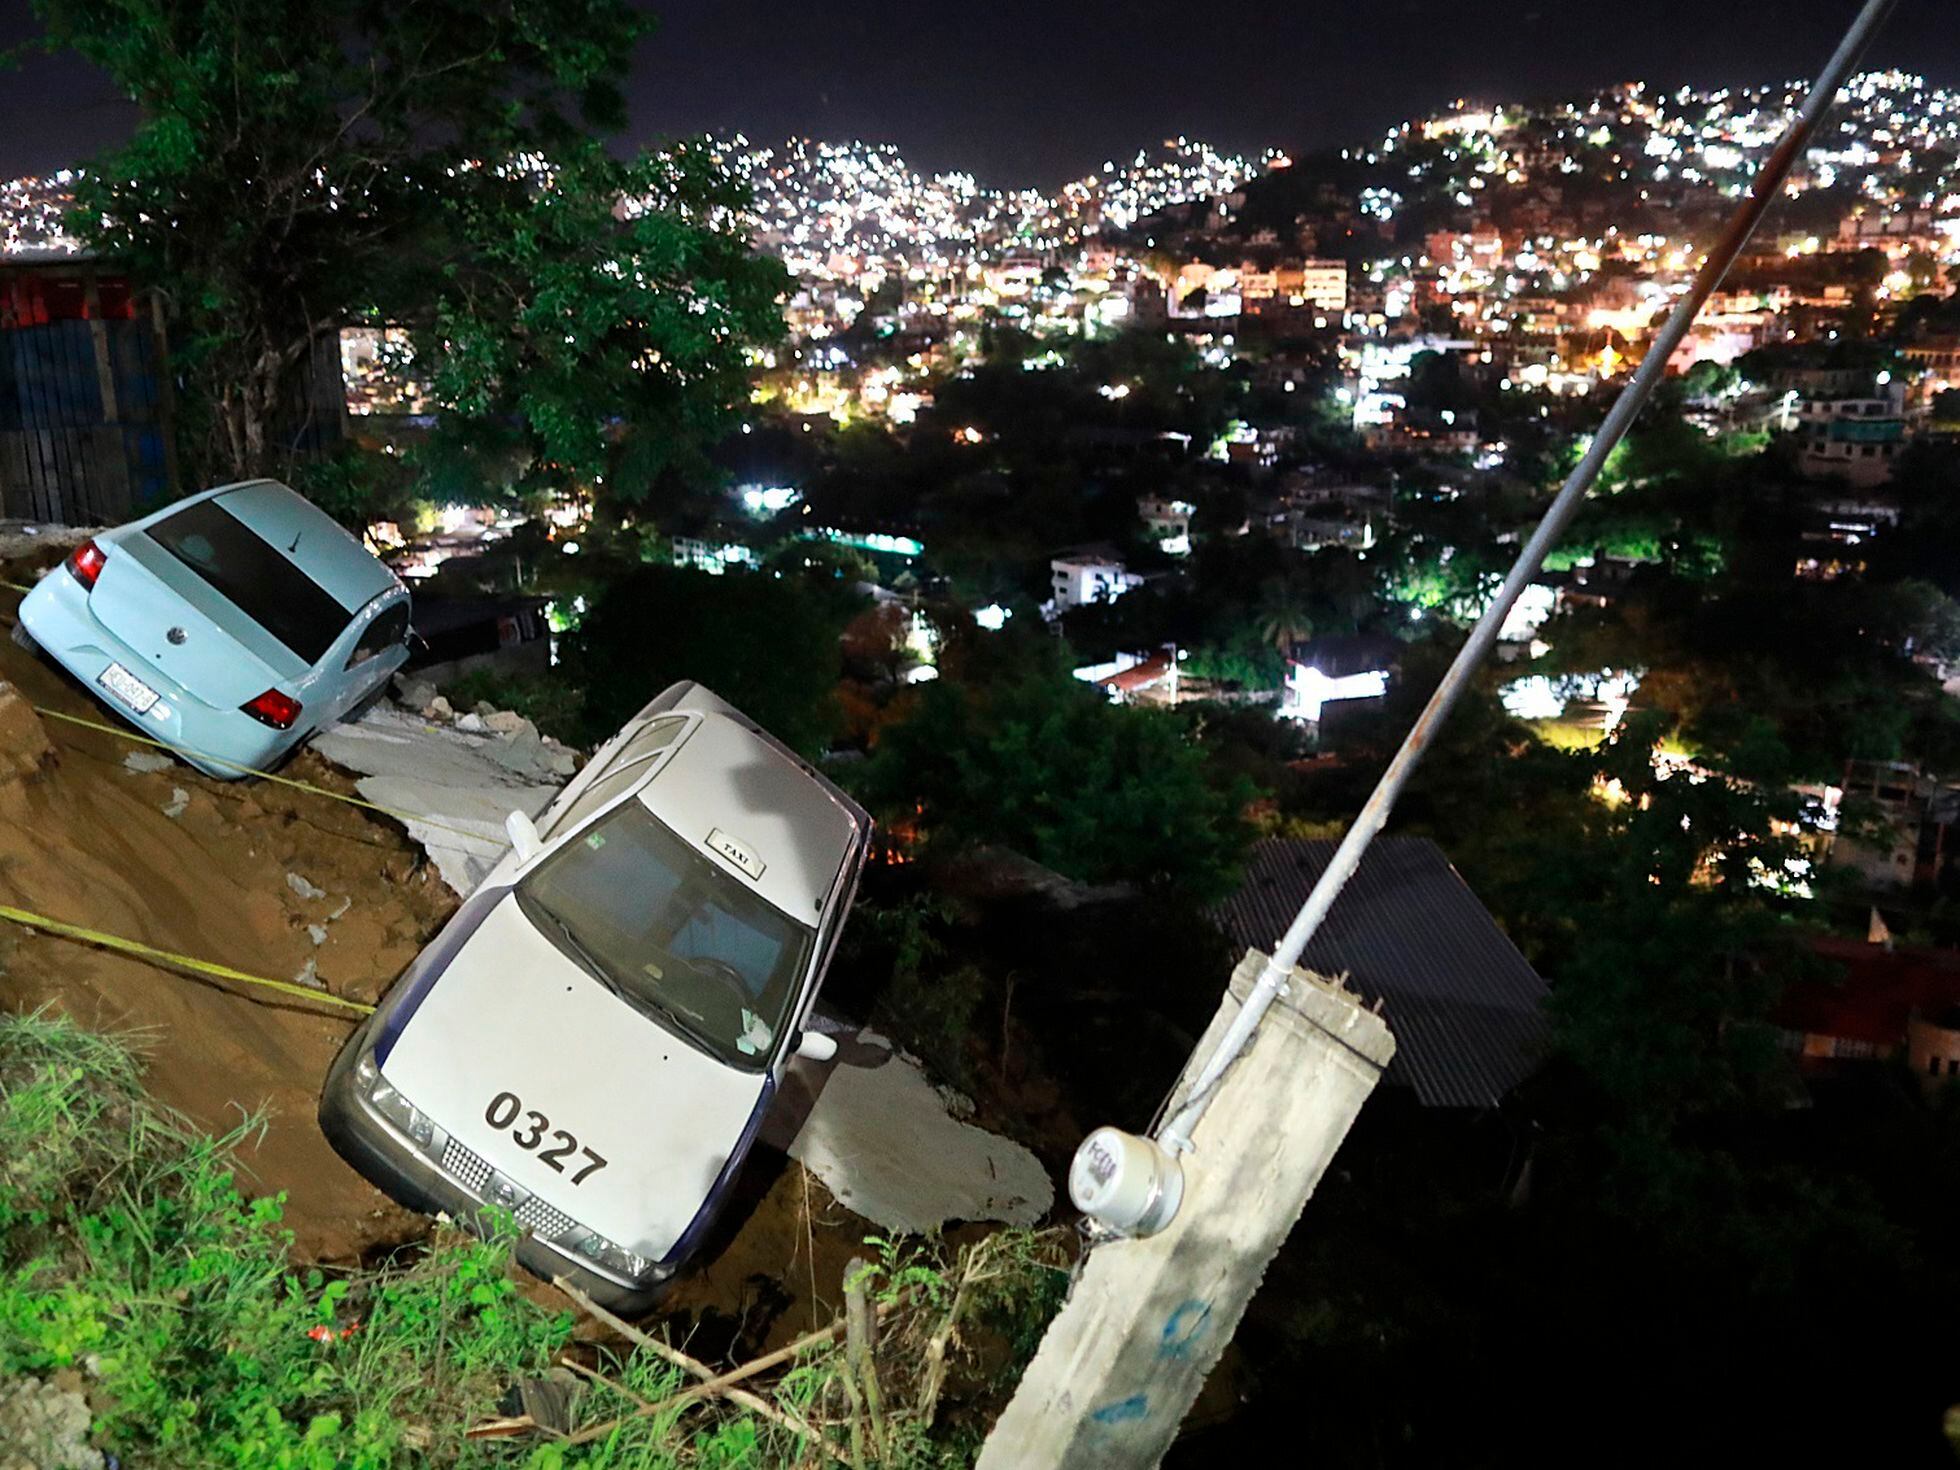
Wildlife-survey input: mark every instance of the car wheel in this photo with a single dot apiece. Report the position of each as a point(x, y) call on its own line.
point(24, 639)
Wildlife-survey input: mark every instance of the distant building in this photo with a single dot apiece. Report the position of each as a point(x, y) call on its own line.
point(1918, 821)
point(1131, 677)
point(1090, 575)
point(1888, 1004)
point(1858, 438)
point(1336, 669)
point(1466, 1008)
point(1016, 275)
point(1425, 431)
point(1938, 359)
point(712, 554)
point(1168, 522)
point(1317, 283)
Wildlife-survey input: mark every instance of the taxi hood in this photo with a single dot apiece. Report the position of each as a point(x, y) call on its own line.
point(512, 1018)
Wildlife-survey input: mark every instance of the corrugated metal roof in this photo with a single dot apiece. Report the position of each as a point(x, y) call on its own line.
point(1466, 1009)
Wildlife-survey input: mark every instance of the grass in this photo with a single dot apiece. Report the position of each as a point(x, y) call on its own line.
point(129, 1257)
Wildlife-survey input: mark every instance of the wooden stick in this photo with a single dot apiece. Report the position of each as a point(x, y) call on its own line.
point(710, 1384)
point(787, 1418)
point(857, 1349)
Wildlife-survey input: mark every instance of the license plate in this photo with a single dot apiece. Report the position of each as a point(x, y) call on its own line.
point(131, 690)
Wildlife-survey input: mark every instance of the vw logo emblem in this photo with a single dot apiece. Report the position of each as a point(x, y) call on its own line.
point(176, 636)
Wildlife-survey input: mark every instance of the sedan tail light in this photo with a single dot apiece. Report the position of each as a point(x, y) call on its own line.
point(86, 562)
point(274, 709)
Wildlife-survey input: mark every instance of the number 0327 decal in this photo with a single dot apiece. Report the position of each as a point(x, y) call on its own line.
point(504, 1111)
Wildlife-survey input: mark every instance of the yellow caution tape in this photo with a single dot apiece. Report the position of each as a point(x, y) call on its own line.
point(307, 786)
point(15, 587)
point(164, 957)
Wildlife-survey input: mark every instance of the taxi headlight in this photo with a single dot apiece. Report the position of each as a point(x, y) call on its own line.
point(390, 1104)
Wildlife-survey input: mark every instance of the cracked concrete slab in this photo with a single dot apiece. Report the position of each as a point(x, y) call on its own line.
point(881, 1139)
point(454, 788)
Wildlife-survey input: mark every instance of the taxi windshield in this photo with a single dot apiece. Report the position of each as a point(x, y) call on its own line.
point(662, 925)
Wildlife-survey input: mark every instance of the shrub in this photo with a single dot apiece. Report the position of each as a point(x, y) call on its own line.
point(129, 1256)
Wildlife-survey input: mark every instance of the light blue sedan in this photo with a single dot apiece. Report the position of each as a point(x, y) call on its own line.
point(230, 625)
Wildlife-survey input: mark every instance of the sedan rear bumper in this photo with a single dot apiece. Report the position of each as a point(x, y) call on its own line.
point(224, 743)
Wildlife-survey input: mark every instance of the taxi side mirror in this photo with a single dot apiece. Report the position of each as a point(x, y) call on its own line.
point(523, 834)
point(814, 1046)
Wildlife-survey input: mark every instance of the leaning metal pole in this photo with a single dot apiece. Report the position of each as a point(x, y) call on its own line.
point(1175, 1135)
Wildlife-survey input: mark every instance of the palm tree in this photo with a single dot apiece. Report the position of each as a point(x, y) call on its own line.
point(1283, 617)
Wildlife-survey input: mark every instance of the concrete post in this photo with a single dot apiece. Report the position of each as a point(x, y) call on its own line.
point(1147, 1320)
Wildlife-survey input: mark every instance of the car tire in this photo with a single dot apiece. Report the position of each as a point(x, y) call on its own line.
point(23, 639)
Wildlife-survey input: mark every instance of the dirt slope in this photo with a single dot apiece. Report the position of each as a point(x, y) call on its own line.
point(86, 839)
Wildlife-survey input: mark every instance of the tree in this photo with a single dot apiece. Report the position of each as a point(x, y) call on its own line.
point(767, 645)
point(1045, 765)
point(431, 164)
point(1283, 617)
point(591, 316)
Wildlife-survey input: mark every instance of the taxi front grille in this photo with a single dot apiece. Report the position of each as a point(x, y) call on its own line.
point(543, 1221)
point(465, 1167)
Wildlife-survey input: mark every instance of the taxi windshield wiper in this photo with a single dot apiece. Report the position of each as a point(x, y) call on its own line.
point(645, 1004)
point(584, 956)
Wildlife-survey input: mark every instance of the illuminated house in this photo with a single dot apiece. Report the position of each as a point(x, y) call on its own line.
point(1858, 438)
point(1168, 521)
point(1332, 670)
point(1087, 575)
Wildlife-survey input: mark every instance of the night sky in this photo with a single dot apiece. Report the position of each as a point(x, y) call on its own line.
point(1021, 92)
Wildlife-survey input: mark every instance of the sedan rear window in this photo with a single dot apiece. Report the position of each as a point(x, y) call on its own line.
point(251, 574)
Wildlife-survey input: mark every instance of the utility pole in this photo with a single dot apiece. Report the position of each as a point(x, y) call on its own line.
point(1288, 1060)
point(1147, 1319)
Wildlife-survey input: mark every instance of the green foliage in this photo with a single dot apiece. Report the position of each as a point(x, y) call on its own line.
point(928, 998)
point(767, 645)
point(127, 1251)
point(129, 1256)
point(298, 167)
point(1045, 765)
point(597, 351)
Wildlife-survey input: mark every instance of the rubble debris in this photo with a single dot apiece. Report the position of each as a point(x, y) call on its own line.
point(24, 741)
point(147, 762)
point(44, 1426)
point(464, 784)
point(303, 888)
point(309, 974)
point(180, 800)
point(317, 933)
point(438, 709)
point(473, 723)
